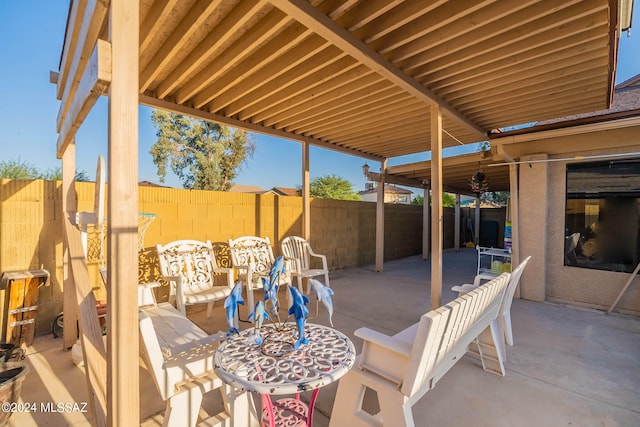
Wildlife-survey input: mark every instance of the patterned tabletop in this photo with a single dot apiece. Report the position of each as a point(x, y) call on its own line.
point(275, 368)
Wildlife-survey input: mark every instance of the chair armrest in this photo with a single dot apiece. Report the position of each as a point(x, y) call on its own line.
point(228, 271)
point(193, 347)
point(385, 341)
point(145, 293)
point(464, 289)
point(482, 276)
point(383, 355)
point(322, 257)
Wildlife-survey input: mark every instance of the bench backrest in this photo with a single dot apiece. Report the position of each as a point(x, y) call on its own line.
point(194, 261)
point(444, 333)
point(251, 250)
point(297, 248)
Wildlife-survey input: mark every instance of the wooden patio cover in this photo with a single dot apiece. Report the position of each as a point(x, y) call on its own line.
point(359, 76)
point(365, 77)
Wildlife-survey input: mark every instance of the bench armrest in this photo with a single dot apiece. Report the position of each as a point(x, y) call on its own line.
point(383, 355)
point(483, 276)
point(385, 341)
point(463, 289)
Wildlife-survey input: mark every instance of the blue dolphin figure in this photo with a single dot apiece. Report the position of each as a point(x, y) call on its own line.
point(259, 314)
point(324, 295)
point(271, 293)
point(300, 311)
point(231, 304)
point(276, 270)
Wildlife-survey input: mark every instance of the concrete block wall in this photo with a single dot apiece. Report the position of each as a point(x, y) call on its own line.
point(31, 229)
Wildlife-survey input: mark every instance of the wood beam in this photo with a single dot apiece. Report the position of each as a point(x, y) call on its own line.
point(123, 391)
point(477, 220)
point(380, 219)
point(85, 39)
point(93, 350)
point(69, 209)
point(193, 20)
point(426, 220)
point(447, 162)
point(416, 183)
point(456, 225)
point(94, 82)
point(305, 13)
point(154, 20)
point(306, 196)
point(436, 207)
point(201, 88)
point(252, 127)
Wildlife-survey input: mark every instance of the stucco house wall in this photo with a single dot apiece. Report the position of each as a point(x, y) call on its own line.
point(542, 225)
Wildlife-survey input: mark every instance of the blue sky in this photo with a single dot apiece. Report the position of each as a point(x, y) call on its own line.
point(31, 37)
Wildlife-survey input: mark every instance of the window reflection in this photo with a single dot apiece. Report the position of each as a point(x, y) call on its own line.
point(603, 215)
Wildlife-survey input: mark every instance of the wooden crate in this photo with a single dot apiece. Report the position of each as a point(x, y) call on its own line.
point(21, 305)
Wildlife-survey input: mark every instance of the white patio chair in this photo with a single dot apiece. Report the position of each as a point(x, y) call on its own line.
point(504, 319)
point(253, 258)
point(190, 266)
point(298, 253)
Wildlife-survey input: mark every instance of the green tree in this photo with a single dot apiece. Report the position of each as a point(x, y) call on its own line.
point(204, 155)
point(448, 201)
point(499, 197)
point(20, 169)
point(332, 187)
point(418, 200)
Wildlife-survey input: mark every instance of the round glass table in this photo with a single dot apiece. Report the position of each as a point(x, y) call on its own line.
point(276, 368)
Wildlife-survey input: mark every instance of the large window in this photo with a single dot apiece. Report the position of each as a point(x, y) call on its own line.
point(603, 215)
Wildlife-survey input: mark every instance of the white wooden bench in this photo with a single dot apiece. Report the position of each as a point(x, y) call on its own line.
point(403, 367)
point(179, 355)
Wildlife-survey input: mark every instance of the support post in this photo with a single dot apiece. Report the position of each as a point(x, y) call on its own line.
point(69, 209)
point(306, 201)
point(456, 229)
point(436, 206)
point(123, 385)
point(515, 224)
point(477, 221)
point(426, 220)
point(380, 219)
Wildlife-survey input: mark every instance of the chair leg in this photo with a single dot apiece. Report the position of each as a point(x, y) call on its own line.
point(209, 309)
point(240, 407)
point(396, 410)
point(347, 405)
point(326, 280)
point(506, 325)
point(492, 351)
point(182, 409)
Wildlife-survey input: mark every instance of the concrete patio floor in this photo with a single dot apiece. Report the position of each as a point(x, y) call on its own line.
point(569, 366)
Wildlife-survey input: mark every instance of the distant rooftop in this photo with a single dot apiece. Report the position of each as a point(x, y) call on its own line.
point(241, 188)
